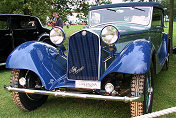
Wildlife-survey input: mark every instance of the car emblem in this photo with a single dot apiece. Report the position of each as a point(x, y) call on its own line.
point(84, 33)
point(51, 81)
point(74, 70)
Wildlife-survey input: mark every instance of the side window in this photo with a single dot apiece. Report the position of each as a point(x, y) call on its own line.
point(3, 24)
point(28, 24)
point(23, 23)
point(157, 17)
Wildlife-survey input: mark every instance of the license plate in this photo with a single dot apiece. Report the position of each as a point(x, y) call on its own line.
point(87, 84)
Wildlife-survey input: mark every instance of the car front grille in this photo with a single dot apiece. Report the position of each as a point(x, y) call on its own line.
point(83, 56)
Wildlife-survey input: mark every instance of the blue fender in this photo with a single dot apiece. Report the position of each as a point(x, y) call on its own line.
point(134, 59)
point(41, 58)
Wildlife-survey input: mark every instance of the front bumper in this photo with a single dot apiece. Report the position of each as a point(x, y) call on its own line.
point(76, 95)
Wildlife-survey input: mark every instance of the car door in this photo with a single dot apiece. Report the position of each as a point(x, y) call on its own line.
point(158, 38)
point(24, 29)
point(5, 38)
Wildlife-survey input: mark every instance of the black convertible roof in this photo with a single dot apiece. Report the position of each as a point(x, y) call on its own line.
point(16, 15)
point(13, 15)
point(129, 4)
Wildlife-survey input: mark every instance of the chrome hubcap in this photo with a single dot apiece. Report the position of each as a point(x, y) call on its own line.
point(149, 93)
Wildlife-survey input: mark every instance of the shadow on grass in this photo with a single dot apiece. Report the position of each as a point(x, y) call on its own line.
point(164, 89)
point(85, 108)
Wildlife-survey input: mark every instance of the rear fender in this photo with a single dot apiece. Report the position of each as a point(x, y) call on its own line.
point(41, 58)
point(134, 59)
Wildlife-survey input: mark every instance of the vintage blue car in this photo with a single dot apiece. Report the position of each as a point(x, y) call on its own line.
point(114, 58)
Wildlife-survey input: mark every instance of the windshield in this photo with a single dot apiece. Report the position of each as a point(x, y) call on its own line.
point(137, 15)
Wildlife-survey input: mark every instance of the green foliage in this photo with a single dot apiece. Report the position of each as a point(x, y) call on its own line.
point(39, 8)
point(63, 7)
point(11, 6)
point(166, 4)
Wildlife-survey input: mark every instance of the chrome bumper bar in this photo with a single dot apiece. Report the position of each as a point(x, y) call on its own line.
point(2, 64)
point(76, 95)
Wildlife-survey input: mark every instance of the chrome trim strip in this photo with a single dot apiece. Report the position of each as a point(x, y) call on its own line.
point(99, 63)
point(75, 95)
point(2, 64)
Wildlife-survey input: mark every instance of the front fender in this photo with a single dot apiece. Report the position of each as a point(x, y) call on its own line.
point(40, 58)
point(134, 59)
point(42, 36)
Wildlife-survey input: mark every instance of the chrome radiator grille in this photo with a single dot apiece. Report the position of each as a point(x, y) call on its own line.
point(83, 56)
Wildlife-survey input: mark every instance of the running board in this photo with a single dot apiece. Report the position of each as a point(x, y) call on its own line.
point(76, 95)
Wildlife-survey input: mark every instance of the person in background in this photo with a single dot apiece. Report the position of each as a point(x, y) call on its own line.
point(54, 20)
point(57, 21)
point(67, 24)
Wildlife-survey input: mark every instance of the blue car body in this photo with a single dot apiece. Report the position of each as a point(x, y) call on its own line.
point(134, 52)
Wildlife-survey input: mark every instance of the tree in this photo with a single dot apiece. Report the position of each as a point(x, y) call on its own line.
point(166, 4)
point(39, 8)
point(63, 7)
point(171, 23)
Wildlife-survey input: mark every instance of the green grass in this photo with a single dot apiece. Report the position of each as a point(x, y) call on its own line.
point(164, 97)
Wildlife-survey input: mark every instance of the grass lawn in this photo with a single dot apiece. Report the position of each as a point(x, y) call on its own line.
point(56, 107)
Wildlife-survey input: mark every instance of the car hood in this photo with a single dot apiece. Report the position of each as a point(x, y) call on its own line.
point(124, 29)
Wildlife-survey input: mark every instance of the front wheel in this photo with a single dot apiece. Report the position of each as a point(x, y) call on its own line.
point(26, 101)
point(166, 65)
point(142, 84)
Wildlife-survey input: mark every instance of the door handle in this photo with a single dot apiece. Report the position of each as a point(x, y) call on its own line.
point(8, 34)
point(36, 33)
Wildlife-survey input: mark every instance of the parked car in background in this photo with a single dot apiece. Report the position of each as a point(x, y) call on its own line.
point(114, 58)
point(72, 23)
point(16, 29)
point(82, 23)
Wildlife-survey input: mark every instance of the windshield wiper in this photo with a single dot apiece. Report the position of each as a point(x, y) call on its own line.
point(111, 10)
point(138, 9)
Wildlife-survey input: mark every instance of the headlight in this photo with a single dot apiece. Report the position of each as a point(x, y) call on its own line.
point(57, 35)
point(110, 34)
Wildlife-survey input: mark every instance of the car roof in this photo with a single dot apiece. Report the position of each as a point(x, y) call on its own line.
point(127, 4)
point(7, 15)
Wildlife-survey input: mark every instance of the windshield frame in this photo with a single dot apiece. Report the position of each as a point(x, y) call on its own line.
point(149, 23)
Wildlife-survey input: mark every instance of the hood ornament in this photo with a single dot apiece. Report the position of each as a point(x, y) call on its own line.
point(84, 33)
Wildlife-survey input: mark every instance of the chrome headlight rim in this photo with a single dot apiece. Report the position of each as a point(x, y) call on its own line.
point(118, 35)
point(63, 33)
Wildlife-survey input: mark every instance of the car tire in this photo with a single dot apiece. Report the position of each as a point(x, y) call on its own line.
point(142, 85)
point(25, 101)
point(166, 65)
